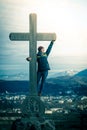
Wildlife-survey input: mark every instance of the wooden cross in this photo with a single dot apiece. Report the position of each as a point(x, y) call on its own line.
point(32, 37)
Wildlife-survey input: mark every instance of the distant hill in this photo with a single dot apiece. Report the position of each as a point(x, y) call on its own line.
point(82, 73)
point(14, 86)
point(64, 85)
point(76, 84)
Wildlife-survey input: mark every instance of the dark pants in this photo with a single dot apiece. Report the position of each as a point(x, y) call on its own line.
point(41, 77)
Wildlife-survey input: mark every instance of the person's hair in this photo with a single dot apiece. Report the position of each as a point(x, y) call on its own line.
point(40, 47)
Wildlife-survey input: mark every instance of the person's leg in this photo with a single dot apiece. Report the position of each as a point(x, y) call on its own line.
point(38, 78)
point(44, 76)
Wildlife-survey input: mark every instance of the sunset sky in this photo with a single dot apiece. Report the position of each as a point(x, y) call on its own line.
point(67, 18)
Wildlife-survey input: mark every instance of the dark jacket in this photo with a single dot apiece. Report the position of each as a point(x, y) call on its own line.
point(42, 60)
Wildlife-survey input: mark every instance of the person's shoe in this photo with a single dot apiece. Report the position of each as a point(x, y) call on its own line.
point(39, 94)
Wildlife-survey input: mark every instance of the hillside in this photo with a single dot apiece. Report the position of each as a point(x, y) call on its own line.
point(82, 73)
point(63, 85)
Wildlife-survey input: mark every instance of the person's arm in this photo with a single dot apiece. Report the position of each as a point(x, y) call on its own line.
point(49, 47)
point(28, 58)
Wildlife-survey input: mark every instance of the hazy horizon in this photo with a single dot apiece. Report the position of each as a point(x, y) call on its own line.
point(59, 64)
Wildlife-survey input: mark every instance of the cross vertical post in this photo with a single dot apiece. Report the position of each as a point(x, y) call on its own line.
point(32, 48)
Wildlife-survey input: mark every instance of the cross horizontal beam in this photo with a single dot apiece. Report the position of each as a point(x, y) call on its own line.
point(26, 36)
point(46, 36)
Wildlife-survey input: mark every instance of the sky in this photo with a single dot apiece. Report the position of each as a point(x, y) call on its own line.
point(67, 18)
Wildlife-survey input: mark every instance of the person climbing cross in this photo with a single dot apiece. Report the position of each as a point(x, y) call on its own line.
point(43, 65)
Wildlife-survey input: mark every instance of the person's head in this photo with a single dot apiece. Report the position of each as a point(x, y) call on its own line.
point(41, 49)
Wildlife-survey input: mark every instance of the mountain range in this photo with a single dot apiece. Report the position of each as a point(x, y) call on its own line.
point(59, 85)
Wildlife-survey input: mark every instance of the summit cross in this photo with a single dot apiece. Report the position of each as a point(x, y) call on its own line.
point(32, 37)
